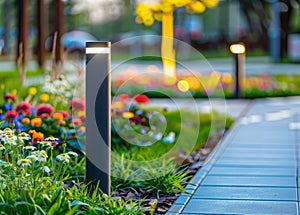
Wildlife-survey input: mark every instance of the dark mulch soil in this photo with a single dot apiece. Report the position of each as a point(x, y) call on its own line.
point(193, 162)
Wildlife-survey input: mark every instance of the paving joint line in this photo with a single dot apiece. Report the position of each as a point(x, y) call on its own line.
point(295, 118)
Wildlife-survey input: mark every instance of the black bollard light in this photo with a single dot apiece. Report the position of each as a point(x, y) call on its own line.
point(239, 51)
point(98, 115)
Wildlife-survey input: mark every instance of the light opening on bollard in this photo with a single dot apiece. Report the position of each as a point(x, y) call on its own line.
point(238, 48)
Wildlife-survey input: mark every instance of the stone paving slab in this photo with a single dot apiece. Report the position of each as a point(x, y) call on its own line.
point(246, 181)
point(252, 171)
point(256, 162)
point(246, 193)
point(255, 168)
point(205, 206)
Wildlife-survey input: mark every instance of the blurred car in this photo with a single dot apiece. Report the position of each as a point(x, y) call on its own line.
point(75, 40)
point(72, 41)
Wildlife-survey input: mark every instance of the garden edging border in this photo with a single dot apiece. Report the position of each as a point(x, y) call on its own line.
point(195, 182)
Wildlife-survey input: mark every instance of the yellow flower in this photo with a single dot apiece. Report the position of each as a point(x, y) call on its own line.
point(156, 7)
point(148, 21)
point(227, 78)
point(210, 3)
point(197, 7)
point(128, 115)
point(167, 8)
point(32, 91)
point(118, 105)
point(158, 16)
point(81, 113)
point(14, 92)
point(138, 20)
point(44, 97)
point(36, 122)
point(142, 8)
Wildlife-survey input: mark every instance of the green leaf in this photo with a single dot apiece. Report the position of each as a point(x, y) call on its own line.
point(53, 209)
point(72, 211)
point(78, 203)
point(39, 210)
point(24, 208)
point(56, 197)
point(7, 208)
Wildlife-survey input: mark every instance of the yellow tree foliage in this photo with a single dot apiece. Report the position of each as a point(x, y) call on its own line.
point(148, 12)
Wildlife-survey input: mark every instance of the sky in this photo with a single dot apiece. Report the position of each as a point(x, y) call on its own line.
point(100, 11)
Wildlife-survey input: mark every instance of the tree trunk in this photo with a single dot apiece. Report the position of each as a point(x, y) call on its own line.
point(42, 26)
point(285, 19)
point(59, 28)
point(23, 33)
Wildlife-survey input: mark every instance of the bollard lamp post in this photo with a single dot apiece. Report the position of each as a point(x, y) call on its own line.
point(98, 116)
point(239, 51)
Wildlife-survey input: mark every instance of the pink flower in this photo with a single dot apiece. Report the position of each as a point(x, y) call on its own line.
point(76, 122)
point(44, 111)
point(77, 105)
point(11, 114)
point(24, 107)
point(9, 96)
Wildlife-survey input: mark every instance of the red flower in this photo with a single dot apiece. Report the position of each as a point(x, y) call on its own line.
point(44, 111)
point(24, 107)
point(141, 99)
point(136, 120)
point(123, 97)
point(9, 96)
point(64, 113)
point(11, 114)
point(77, 105)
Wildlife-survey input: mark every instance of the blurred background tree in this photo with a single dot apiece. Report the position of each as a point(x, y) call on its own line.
point(231, 21)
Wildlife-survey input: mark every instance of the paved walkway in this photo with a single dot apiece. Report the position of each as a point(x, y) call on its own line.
point(254, 170)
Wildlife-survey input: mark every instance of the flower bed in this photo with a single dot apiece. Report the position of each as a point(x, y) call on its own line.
point(43, 161)
point(203, 86)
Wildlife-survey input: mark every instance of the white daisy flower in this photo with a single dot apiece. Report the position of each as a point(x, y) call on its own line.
point(46, 169)
point(7, 131)
point(29, 147)
point(73, 154)
point(52, 139)
point(42, 158)
point(24, 162)
point(32, 157)
point(63, 157)
point(24, 136)
point(45, 143)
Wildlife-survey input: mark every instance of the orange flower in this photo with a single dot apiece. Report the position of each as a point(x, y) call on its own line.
point(36, 136)
point(26, 120)
point(58, 116)
point(36, 122)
